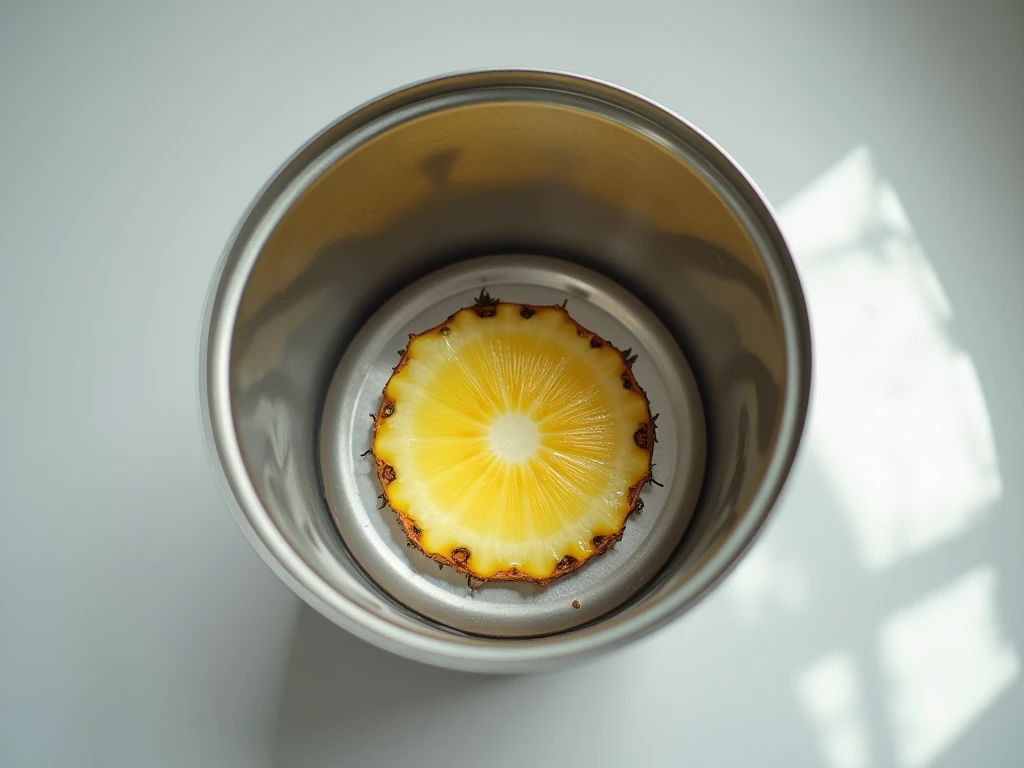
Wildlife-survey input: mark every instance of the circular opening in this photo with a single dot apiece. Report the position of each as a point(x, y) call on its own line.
point(500, 162)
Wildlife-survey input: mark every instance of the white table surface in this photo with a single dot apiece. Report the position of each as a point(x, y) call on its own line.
point(879, 622)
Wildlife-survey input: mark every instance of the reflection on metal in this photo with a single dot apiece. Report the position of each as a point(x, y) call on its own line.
point(945, 661)
point(899, 422)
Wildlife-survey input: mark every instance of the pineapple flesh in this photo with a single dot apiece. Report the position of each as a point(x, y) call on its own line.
point(512, 442)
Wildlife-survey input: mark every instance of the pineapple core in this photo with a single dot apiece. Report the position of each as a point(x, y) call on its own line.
point(512, 442)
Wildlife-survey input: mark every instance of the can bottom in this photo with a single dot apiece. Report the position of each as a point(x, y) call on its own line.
point(512, 609)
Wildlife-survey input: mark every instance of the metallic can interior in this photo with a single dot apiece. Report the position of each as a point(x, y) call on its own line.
point(495, 162)
point(511, 609)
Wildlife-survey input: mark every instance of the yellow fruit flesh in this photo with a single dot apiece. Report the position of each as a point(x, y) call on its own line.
point(512, 439)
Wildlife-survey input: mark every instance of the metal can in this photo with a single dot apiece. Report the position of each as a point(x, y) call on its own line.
point(546, 184)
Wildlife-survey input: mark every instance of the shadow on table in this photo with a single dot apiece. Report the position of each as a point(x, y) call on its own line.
point(340, 690)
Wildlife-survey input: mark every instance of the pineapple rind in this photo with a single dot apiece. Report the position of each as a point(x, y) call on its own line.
point(566, 496)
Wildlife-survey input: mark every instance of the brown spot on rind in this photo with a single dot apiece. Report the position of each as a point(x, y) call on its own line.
point(596, 342)
point(634, 492)
point(388, 409)
point(627, 382)
point(412, 531)
point(566, 563)
point(488, 311)
point(582, 332)
point(512, 573)
point(641, 437)
point(460, 555)
point(445, 330)
point(526, 313)
point(604, 543)
point(387, 473)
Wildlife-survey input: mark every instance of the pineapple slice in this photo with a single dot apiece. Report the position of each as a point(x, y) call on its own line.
point(512, 442)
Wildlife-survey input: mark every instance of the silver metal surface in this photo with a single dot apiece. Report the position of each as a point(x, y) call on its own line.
point(503, 161)
point(502, 608)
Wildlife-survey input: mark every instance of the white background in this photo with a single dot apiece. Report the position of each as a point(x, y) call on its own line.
point(879, 622)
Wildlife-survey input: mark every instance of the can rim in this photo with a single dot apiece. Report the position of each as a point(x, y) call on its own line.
point(487, 654)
